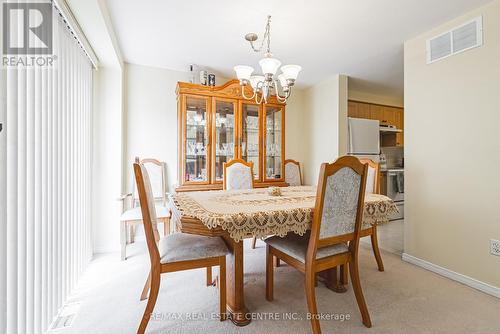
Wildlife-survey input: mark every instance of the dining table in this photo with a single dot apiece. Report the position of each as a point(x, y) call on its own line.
point(238, 214)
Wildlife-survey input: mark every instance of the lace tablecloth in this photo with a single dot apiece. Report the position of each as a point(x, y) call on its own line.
point(254, 212)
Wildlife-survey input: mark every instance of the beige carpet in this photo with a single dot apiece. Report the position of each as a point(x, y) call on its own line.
point(403, 299)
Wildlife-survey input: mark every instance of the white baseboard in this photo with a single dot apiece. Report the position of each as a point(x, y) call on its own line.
point(469, 281)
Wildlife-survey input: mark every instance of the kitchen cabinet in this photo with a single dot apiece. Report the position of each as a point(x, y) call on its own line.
point(216, 124)
point(376, 112)
point(358, 110)
point(389, 115)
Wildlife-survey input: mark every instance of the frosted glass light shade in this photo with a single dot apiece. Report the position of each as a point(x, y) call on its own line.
point(243, 72)
point(291, 72)
point(282, 80)
point(269, 65)
point(254, 80)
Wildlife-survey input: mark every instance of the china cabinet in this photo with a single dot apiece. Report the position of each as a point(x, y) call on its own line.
point(216, 124)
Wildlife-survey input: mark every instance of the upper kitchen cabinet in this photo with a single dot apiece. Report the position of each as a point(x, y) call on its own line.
point(216, 124)
point(376, 112)
point(358, 109)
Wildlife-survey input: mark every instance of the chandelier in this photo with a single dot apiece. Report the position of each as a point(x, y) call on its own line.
point(263, 84)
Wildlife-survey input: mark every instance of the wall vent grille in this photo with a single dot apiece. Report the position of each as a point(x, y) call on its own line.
point(464, 37)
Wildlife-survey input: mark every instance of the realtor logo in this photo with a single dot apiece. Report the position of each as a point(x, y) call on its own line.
point(27, 28)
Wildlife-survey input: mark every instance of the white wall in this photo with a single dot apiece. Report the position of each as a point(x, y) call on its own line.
point(324, 133)
point(375, 98)
point(151, 122)
point(452, 152)
point(294, 126)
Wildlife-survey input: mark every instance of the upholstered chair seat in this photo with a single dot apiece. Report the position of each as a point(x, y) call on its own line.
point(186, 247)
point(136, 214)
point(296, 246)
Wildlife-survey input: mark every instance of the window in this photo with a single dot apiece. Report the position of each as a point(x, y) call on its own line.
point(45, 178)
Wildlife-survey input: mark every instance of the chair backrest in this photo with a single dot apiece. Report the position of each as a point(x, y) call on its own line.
point(338, 212)
point(148, 210)
point(157, 171)
point(238, 174)
point(373, 176)
point(292, 173)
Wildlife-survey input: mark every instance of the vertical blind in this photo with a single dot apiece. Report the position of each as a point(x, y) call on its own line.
point(45, 178)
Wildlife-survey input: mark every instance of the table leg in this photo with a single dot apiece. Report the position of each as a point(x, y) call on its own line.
point(234, 283)
point(344, 272)
point(331, 280)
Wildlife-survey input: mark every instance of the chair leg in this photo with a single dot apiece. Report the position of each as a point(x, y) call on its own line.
point(269, 274)
point(123, 239)
point(222, 288)
point(376, 250)
point(155, 287)
point(311, 301)
point(166, 226)
point(147, 286)
point(210, 281)
point(131, 233)
point(356, 286)
point(254, 240)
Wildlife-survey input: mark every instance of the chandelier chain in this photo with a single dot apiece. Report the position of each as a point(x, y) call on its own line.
point(266, 37)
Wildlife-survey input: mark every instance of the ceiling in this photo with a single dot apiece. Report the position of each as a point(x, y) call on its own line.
point(360, 38)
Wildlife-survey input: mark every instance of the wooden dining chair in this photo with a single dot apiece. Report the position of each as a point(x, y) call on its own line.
point(372, 187)
point(293, 175)
point(175, 252)
point(131, 212)
point(238, 174)
point(334, 236)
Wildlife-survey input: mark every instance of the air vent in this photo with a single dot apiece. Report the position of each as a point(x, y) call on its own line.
point(65, 317)
point(464, 37)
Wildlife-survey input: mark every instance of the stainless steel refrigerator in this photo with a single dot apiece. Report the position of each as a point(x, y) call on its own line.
point(364, 138)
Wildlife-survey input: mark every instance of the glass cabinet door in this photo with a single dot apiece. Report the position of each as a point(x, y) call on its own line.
point(273, 142)
point(224, 135)
point(250, 143)
point(196, 150)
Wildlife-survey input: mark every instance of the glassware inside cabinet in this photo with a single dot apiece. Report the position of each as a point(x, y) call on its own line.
point(196, 139)
point(250, 136)
point(273, 142)
point(224, 135)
